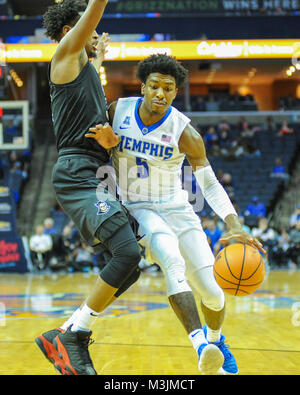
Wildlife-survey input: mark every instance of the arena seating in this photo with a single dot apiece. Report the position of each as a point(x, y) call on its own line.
point(251, 175)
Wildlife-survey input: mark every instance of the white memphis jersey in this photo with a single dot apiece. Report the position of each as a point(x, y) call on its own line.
point(147, 161)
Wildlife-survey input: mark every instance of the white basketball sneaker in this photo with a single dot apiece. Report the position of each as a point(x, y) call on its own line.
point(211, 359)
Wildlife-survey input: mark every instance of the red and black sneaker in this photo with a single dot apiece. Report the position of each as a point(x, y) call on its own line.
point(45, 343)
point(72, 349)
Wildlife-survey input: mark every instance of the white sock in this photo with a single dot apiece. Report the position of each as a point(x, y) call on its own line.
point(213, 335)
point(85, 319)
point(197, 337)
point(71, 320)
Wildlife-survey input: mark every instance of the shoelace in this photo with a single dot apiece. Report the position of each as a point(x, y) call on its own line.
point(225, 350)
point(85, 343)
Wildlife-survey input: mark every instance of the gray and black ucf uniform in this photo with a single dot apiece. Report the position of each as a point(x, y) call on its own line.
point(99, 217)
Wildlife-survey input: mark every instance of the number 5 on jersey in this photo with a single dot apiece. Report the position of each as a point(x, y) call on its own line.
point(142, 168)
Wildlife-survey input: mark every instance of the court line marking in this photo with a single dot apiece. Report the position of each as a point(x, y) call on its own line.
point(156, 345)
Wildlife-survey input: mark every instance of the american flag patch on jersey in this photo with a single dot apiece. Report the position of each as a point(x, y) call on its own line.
point(165, 138)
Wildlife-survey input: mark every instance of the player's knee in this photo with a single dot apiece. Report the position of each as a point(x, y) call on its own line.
point(125, 257)
point(212, 295)
point(176, 281)
point(214, 298)
point(134, 276)
point(168, 256)
point(124, 248)
point(129, 254)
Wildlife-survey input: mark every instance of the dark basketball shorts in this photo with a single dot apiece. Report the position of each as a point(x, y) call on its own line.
point(85, 199)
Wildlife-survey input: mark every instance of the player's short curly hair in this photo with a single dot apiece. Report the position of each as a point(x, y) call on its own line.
point(162, 64)
point(61, 14)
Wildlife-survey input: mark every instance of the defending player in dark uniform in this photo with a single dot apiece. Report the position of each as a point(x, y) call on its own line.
point(78, 102)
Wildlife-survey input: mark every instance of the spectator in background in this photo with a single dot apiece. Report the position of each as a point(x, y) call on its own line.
point(226, 181)
point(211, 138)
point(256, 208)
point(219, 174)
point(158, 37)
point(250, 150)
point(249, 133)
point(264, 232)
point(278, 170)
point(295, 217)
point(58, 249)
point(294, 249)
point(236, 149)
point(270, 125)
point(212, 232)
point(224, 139)
point(285, 129)
point(17, 177)
point(266, 235)
point(223, 125)
point(13, 158)
point(212, 104)
point(40, 248)
point(83, 256)
point(215, 150)
point(200, 104)
point(71, 238)
point(242, 125)
point(49, 228)
point(279, 251)
point(11, 131)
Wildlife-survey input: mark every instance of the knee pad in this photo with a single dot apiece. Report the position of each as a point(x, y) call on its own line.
point(211, 294)
point(119, 266)
point(168, 257)
point(125, 257)
point(134, 276)
point(215, 301)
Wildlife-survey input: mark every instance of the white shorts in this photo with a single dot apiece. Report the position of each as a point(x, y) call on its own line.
point(177, 219)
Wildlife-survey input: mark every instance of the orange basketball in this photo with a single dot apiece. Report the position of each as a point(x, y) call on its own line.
point(239, 269)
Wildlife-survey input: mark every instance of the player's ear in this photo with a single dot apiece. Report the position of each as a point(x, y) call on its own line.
point(66, 29)
point(143, 86)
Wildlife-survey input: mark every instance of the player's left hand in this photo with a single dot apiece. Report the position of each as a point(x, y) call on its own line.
point(104, 135)
point(243, 237)
point(102, 47)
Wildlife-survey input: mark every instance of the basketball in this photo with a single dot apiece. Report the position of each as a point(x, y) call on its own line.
point(239, 269)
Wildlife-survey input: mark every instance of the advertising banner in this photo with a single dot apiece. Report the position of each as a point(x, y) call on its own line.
point(210, 49)
point(12, 258)
point(197, 7)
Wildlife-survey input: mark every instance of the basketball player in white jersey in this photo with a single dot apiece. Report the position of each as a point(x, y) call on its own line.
point(154, 140)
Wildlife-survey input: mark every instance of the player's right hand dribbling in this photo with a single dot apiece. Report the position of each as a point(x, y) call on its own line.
point(104, 135)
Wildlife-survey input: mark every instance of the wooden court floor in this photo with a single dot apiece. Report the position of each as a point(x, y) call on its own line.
point(140, 335)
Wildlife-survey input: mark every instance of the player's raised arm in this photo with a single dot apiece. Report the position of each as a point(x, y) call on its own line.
point(102, 49)
point(192, 145)
point(76, 39)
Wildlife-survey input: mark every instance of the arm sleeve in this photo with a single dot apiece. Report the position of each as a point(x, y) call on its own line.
point(213, 192)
